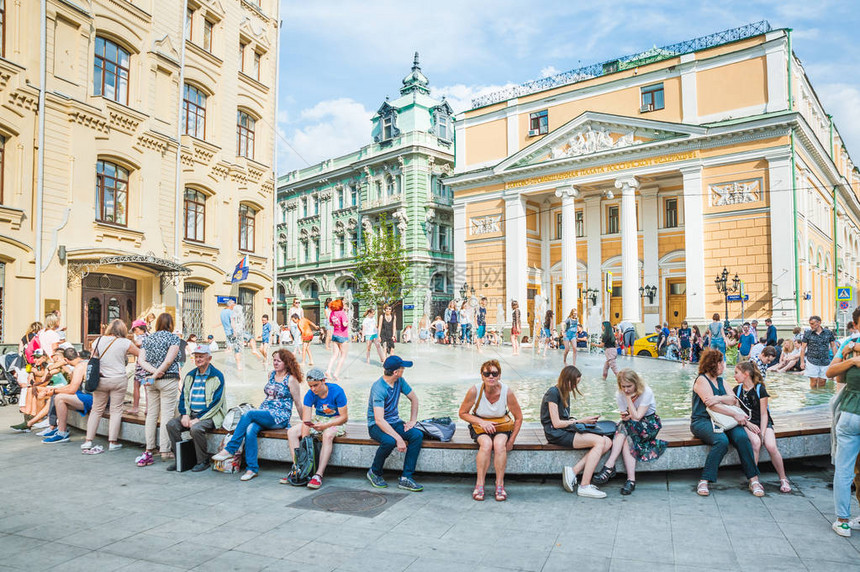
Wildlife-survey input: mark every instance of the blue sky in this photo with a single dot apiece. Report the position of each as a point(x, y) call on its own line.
point(339, 59)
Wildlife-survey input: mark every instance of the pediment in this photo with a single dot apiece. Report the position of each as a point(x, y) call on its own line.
point(254, 31)
point(592, 133)
point(165, 48)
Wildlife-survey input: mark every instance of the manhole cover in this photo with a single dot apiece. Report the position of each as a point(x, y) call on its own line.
point(349, 501)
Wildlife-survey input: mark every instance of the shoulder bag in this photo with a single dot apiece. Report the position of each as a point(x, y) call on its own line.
point(604, 427)
point(503, 424)
point(93, 373)
point(723, 422)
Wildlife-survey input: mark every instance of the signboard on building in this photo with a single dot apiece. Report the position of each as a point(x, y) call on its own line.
point(738, 298)
point(222, 300)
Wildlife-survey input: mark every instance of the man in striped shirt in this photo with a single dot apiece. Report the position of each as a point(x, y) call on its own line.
point(202, 406)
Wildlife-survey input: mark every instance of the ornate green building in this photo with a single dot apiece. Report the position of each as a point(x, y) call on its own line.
point(399, 175)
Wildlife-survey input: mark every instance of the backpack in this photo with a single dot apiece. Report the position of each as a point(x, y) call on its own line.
point(33, 345)
point(305, 465)
point(233, 415)
point(437, 428)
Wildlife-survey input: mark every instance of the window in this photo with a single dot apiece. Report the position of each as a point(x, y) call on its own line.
point(353, 243)
point(316, 250)
point(538, 123)
point(439, 283)
point(387, 124)
point(378, 186)
point(111, 193)
point(256, 70)
point(389, 186)
point(207, 35)
point(3, 28)
point(316, 203)
point(110, 71)
point(443, 238)
point(353, 191)
point(671, 214)
point(652, 98)
point(194, 112)
point(195, 215)
point(558, 226)
point(612, 220)
point(341, 246)
point(246, 228)
point(306, 251)
point(2, 156)
point(245, 135)
point(304, 207)
point(341, 192)
point(580, 224)
point(444, 129)
point(189, 23)
point(242, 56)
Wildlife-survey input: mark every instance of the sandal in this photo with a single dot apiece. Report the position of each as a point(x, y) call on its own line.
point(756, 489)
point(784, 486)
point(501, 495)
point(478, 493)
point(702, 489)
point(94, 450)
point(145, 460)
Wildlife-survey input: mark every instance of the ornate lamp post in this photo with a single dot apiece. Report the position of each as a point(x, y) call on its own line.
point(722, 284)
point(591, 294)
point(648, 292)
point(463, 290)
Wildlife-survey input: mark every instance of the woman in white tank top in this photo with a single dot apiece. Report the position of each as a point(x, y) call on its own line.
point(494, 417)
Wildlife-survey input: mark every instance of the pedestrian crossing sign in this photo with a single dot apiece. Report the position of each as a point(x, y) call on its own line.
point(843, 293)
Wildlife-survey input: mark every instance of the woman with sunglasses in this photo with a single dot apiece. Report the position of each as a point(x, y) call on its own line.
point(494, 416)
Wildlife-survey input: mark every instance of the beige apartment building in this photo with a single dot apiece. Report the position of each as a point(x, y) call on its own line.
point(126, 229)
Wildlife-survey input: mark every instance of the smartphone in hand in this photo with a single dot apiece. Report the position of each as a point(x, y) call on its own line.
point(309, 423)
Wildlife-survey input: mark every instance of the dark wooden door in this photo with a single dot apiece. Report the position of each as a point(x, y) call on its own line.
point(106, 298)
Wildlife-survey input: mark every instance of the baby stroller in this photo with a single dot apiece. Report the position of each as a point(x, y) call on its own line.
point(9, 388)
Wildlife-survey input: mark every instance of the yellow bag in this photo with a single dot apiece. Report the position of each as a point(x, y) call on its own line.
point(503, 424)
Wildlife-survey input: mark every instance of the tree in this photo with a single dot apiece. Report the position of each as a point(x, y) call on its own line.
point(382, 267)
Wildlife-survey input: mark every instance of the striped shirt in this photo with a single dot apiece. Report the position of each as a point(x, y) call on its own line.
point(198, 392)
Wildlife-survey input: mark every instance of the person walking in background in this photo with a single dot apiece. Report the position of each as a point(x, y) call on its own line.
point(339, 322)
point(265, 338)
point(387, 326)
point(481, 322)
point(494, 417)
point(452, 320)
point(326, 325)
point(282, 391)
point(234, 341)
point(546, 332)
point(745, 343)
point(817, 344)
point(306, 327)
point(685, 335)
point(770, 334)
point(158, 356)
point(465, 318)
point(610, 351)
point(717, 334)
point(570, 327)
point(112, 349)
point(516, 327)
point(371, 334)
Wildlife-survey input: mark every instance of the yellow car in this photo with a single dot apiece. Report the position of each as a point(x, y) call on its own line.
point(646, 346)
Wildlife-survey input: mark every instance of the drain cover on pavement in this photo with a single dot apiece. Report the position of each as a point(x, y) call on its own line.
point(349, 501)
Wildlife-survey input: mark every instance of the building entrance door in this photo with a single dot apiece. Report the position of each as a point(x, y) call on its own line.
point(246, 300)
point(615, 306)
point(106, 297)
point(676, 302)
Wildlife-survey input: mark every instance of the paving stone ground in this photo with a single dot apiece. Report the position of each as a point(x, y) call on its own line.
point(66, 511)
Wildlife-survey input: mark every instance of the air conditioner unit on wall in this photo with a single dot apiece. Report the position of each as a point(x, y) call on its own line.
point(533, 132)
point(646, 108)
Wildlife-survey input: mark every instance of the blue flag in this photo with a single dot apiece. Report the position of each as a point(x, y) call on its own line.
point(241, 271)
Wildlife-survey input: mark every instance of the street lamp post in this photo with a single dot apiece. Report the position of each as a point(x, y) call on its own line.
point(722, 284)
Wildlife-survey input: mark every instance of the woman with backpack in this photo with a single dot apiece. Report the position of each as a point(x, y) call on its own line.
point(282, 391)
point(35, 327)
point(111, 350)
point(159, 356)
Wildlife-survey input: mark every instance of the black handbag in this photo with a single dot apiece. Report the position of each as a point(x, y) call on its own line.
point(605, 428)
point(93, 373)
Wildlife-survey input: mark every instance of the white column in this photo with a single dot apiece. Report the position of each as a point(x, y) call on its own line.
point(782, 240)
point(460, 262)
point(629, 250)
point(568, 248)
point(694, 244)
point(689, 90)
point(516, 261)
point(593, 240)
point(513, 125)
point(651, 276)
point(545, 260)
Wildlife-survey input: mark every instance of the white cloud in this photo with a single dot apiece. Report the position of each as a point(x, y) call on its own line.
point(842, 101)
point(460, 95)
point(549, 71)
point(329, 129)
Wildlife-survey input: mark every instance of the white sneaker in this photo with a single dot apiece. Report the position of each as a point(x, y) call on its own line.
point(854, 523)
point(592, 492)
point(114, 446)
point(568, 479)
point(44, 432)
point(222, 456)
point(87, 445)
point(41, 424)
point(842, 529)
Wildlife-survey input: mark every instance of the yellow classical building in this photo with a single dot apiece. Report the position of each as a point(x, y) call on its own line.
point(142, 172)
point(625, 188)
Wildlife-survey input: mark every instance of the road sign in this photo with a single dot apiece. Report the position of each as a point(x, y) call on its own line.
point(738, 298)
point(221, 300)
point(609, 282)
point(408, 306)
point(843, 305)
point(843, 293)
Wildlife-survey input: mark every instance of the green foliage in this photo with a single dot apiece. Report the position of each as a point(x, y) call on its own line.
point(382, 267)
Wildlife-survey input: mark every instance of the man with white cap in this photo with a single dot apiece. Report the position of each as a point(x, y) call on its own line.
point(202, 405)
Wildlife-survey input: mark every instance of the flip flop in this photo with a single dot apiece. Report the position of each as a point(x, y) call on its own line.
point(501, 495)
point(98, 449)
point(784, 486)
point(478, 493)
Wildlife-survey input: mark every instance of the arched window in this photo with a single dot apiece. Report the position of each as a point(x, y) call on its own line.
point(111, 193)
point(245, 135)
point(110, 71)
point(390, 187)
point(194, 112)
point(246, 227)
point(195, 215)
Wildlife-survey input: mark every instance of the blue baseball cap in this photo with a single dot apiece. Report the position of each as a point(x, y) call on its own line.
point(395, 362)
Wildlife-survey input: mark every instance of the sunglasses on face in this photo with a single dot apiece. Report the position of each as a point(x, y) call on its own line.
point(490, 373)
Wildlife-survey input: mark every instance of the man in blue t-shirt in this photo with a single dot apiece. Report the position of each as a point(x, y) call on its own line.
point(745, 344)
point(266, 338)
point(233, 341)
point(324, 413)
point(770, 335)
point(386, 427)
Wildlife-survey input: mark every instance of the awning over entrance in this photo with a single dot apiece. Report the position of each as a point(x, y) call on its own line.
point(79, 268)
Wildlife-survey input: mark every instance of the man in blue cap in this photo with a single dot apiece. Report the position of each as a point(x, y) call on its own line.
point(386, 427)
